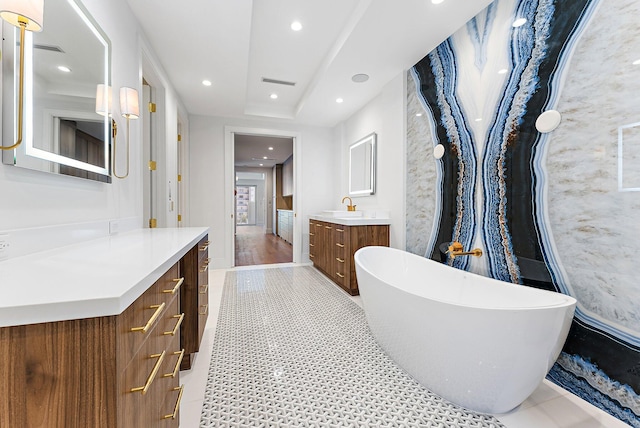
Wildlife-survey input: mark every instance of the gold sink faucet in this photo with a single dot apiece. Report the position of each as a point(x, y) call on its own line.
point(350, 207)
point(455, 250)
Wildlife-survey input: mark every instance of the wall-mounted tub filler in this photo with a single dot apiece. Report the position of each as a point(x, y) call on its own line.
point(480, 343)
point(455, 250)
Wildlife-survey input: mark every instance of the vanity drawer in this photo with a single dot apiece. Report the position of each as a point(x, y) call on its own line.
point(170, 323)
point(203, 248)
point(194, 299)
point(138, 321)
point(168, 385)
point(141, 394)
point(170, 408)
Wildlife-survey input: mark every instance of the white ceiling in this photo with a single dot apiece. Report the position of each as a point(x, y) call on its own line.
point(251, 150)
point(235, 43)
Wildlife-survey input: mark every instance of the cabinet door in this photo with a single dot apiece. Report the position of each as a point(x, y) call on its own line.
point(329, 240)
point(341, 255)
point(312, 241)
point(320, 259)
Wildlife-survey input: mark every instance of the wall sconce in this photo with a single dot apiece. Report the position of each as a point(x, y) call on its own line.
point(28, 16)
point(130, 109)
point(104, 97)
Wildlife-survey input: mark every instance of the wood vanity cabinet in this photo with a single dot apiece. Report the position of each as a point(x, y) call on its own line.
point(110, 371)
point(194, 296)
point(332, 246)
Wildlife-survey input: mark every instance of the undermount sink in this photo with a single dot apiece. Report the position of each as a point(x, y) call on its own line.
point(341, 213)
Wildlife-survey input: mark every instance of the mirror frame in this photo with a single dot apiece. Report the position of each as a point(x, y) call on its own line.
point(49, 161)
point(369, 190)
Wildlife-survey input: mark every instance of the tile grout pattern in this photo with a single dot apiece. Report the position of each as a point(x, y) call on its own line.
point(280, 359)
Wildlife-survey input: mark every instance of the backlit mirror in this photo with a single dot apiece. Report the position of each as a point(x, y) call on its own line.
point(63, 66)
point(362, 166)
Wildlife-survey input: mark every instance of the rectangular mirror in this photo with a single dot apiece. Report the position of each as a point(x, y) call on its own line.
point(64, 63)
point(362, 166)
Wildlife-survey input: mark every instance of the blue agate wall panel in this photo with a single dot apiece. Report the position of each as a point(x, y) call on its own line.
point(550, 210)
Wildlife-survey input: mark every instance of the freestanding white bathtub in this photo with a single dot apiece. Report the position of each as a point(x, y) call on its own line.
point(480, 343)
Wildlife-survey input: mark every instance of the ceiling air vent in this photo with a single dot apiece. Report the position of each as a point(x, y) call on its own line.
point(278, 82)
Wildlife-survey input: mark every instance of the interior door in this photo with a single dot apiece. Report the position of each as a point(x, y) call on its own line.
point(150, 180)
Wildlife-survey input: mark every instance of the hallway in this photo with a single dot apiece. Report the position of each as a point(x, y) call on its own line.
point(254, 247)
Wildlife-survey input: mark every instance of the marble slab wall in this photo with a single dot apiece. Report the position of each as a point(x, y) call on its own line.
point(548, 209)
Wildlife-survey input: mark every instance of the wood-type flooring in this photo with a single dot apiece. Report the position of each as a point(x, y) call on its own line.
point(254, 247)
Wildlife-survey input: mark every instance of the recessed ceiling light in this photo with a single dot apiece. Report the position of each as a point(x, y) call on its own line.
point(261, 164)
point(273, 96)
point(206, 82)
point(436, 1)
point(64, 68)
point(270, 148)
point(296, 26)
point(339, 100)
point(502, 71)
point(519, 22)
point(360, 77)
point(479, 119)
point(418, 114)
point(264, 157)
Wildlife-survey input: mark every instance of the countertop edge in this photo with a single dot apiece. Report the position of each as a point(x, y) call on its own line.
point(356, 221)
point(105, 305)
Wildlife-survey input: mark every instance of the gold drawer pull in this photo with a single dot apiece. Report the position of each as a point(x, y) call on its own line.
point(154, 317)
point(206, 308)
point(206, 265)
point(339, 259)
point(339, 230)
point(152, 375)
point(176, 369)
point(205, 246)
point(179, 282)
point(204, 288)
point(312, 234)
point(311, 255)
point(340, 275)
point(328, 227)
point(311, 245)
point(177, 327)
point(175, 409)
point(340, 245)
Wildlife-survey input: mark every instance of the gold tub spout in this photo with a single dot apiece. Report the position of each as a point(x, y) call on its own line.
point(455, 250)
point(350, 207)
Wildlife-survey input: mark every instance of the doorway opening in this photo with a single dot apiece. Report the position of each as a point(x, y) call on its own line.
point(263, 199)
point(245, 205)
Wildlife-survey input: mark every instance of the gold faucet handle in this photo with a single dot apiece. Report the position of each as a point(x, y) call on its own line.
point(454, 249)
point(455, 246)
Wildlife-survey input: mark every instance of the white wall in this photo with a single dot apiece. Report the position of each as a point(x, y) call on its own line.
point(36, 199)
point(314, 175)
point(384, 115)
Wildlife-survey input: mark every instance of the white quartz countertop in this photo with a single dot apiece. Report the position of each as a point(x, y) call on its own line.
point(351, 221)
point(95, 278)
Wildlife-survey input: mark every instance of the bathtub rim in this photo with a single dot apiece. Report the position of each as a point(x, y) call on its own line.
point(564, 300)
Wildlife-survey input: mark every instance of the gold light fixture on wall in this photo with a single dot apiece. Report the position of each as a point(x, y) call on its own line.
point(27, 15)
point(130, 109)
